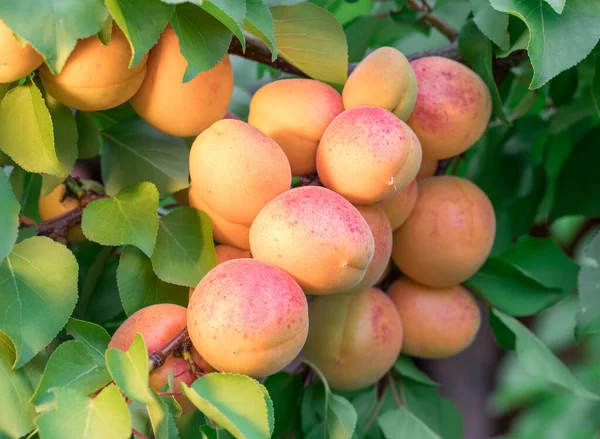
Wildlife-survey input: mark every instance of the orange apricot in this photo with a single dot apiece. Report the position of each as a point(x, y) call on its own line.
point(16, 61)
point(438, 323)
point(227, 252)
point(399, 206)
point(58, 202)
point(427, 169)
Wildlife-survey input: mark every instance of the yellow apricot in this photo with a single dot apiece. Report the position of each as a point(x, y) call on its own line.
point(379, 224)
point(354, 339)
point(367, 154)
point(96, 77)
point(449, 234)
point(177, 108)
point(453, 107)
point(224, 232)
point(438, 323)
point(159, 378)
point(385, 79)
point(316, 236)
point(248, 317)
point(236, 169)
point(295, 113)
point(398, 206)
point(227, 252)
point(427, 169)
point(58, 202)
point(16, 61)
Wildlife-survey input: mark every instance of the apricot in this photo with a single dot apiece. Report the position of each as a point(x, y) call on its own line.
point(249, 317)
point(453, 107)
point(16, 61)
point(227, 252)
point(58, 202)
point(399, 206)
point(380, 227)
point(316, 236)
point(158, 324)
point(385, 79)
point(449, 234)
point(427, 169)
point(177, 108)
point(385, 273)
point(224, 232)
point(96, 77)
point(367, 154)
point(354, 339)
point(438, 323)
point(295, 113)
point(237, 169)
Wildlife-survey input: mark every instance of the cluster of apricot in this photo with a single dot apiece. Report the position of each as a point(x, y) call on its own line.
point(375, 149)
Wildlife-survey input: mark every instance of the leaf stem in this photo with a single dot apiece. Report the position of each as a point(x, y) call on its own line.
point(376, 411)
point(138, 434)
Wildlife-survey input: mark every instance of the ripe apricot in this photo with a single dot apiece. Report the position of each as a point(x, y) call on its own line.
point(227, 252)
point(177, 108)
point(96, 77)
point(224, 232)
point(399, 206)
point(236, 169)
point(58, 202)
point(385, 79)
point(427, 169)
point(247, 316)
point(380, 227)
point(16, 61)
point(449, 234)
point(354, 339)
point(367, 154)
point(453, 107)
point(438, 323)
point(159, 378)
point(316, 236)
point(295, 113)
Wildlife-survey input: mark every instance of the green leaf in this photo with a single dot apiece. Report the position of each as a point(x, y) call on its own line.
point(16, 413)
point(588, 317)
point(477, 50)
point(578, 174)
point(26, 187)
point(65, 134)
point(285, 390)
point(556, 41)
point(234, 402)
point(311, 39)
point(503, 336)
point(135, 152)
point(184, 251)
point(538, 360)
point(94, 338)
point(596, 86)
point(130, 371)
point(341, 418)
point(557, 5)
point(259, 22)
point(53, 27)
point(162, 420)
point(493, 24)
point(407, 369)
point(88, 141)
point(70, 366)
point(203, 40)
point(231, 14)
point(26, 133)
point(105, 34)
point(39, 291)
point(129, 217)
point(78, 417)
point(140, 287)
point(401, 423)
point(9, 217)
point(6, 87)
point(142, 22)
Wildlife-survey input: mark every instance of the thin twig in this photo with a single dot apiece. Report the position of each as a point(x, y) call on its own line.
point(157, 358)
point(138, 434)
point(395, 391)
point(376, 411)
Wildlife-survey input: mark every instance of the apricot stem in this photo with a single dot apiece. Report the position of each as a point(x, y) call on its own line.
point(157, 358)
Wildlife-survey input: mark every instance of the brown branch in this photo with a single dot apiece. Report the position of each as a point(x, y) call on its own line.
point(431, 20)
point(180, 342)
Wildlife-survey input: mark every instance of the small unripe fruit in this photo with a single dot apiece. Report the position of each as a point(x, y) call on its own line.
point(453, 107)
point(16, 62)
point(385, 79)
point(354, 339)
point(224, 232)
point(295, 113)
point(438, 323)
point(237, 169)
point(316, 236)
point(58, 202)
point(449, 234)
point(227, 253)
point(427, 169)
point(177, 108)
point(248, 317)
point(399, 206)
point(367, 154)
point(96, 77)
